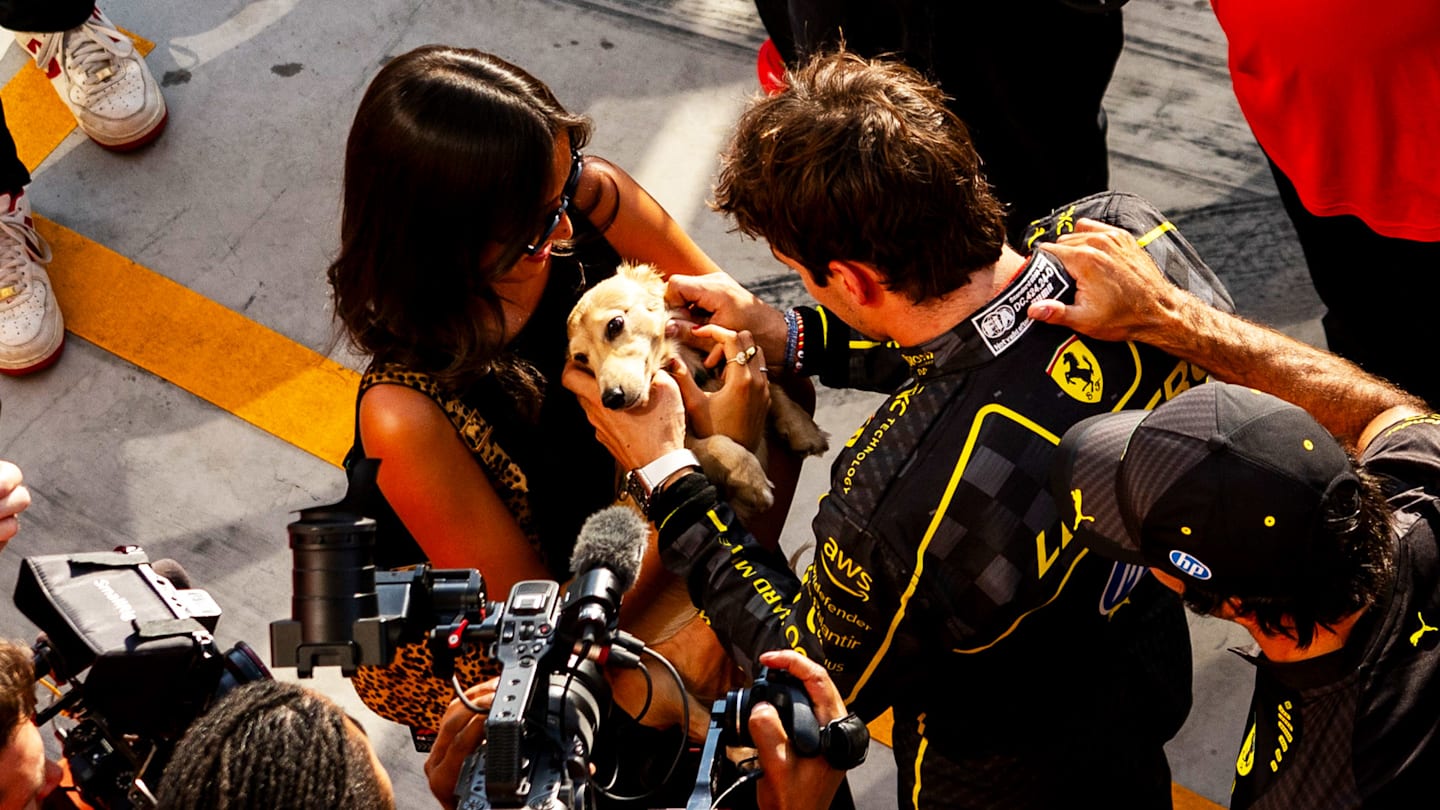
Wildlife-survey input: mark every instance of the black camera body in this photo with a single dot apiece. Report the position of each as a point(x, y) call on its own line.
point(149, 659)
point(552, 695)
point(783, 691)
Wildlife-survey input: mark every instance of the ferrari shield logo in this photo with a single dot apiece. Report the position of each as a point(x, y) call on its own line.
point(1077, 372)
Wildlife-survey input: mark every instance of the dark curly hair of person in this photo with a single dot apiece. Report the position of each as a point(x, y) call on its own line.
point(861, 160)
point(1348, 567)
point(272, 745)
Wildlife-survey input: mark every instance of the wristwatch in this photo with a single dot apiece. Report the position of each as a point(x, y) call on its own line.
point(641, 482)
point(845, 742)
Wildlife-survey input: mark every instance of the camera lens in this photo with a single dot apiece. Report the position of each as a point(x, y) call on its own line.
point(333, 577)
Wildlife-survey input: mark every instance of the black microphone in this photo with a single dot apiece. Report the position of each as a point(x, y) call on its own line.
point(606, 561)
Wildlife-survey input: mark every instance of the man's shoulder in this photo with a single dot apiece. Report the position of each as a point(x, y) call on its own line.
point(1119, 208)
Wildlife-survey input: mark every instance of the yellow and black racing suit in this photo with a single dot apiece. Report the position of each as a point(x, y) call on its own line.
point(1023, 671)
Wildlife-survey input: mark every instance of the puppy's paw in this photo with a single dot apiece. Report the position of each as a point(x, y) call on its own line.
point(750, 492)
point(795, 425)
point(738, 473)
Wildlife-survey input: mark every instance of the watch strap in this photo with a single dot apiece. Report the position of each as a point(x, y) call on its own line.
point(642, 481)
point(845, 742)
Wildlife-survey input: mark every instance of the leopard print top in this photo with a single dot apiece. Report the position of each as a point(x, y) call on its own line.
point(407, 690)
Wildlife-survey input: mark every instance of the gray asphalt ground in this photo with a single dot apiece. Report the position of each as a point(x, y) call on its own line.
point(238, 201)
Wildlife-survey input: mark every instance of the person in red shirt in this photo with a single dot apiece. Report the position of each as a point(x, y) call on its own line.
point(1344, 99)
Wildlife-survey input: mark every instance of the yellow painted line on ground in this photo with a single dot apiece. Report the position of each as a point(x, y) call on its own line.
point(213, 352)
point(38, 120)
point(180, 336)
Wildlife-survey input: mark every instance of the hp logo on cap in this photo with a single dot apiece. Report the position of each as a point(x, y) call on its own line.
point(1188, 565)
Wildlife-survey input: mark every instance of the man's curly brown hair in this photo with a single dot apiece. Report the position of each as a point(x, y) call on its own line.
point(860, 160)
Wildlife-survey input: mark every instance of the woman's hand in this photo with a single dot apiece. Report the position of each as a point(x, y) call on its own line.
point(739, 408)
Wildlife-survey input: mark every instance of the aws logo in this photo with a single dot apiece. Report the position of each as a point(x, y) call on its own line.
point(1074, 368)
point(844, 572)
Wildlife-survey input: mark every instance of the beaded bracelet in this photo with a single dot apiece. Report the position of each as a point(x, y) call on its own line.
point(792, 332)
point(799, 364)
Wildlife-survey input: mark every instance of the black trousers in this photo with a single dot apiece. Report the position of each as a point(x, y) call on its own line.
point(1026, 76)
point(41, 16)
point(1379, 293)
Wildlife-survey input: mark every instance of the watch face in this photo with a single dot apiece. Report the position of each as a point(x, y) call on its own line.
point(638, 492)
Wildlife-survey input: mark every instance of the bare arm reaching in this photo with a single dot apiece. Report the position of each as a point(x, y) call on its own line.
point(1121, 295)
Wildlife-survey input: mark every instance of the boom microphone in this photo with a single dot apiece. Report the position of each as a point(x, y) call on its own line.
point(613, 538)
point(606, 561)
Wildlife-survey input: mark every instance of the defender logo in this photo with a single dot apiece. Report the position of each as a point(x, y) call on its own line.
point(1074, 368)
point(1188, 565)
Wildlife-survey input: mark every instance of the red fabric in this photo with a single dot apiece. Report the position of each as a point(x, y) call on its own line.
point(1345, 97)
point(770, 68)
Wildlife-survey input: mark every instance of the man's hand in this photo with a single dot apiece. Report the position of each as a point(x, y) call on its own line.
point(719, 299)
point(635, 436)
point(790, 781)
point(14, 497)
point(1120, 293)
point(460, 734)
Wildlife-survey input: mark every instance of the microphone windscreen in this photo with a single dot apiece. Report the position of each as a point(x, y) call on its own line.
point(616, 538)
point(174, 572)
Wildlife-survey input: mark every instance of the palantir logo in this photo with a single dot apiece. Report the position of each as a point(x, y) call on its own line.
point(1188, 565)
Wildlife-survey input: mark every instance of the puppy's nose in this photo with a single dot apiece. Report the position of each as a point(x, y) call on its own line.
point(613, 398)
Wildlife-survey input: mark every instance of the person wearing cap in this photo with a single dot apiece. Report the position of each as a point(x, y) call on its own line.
point(1313, 528)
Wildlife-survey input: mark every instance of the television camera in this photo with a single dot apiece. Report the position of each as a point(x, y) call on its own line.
point(147, 653)
point(552, 646)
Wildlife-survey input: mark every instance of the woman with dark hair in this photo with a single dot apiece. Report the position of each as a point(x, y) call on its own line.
point(279, 746)
point(472, 223)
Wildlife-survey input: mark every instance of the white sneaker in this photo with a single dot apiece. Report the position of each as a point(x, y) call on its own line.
point(104, 80)
point(32, 333)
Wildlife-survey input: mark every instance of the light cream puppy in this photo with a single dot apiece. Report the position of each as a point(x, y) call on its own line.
point(617, 331)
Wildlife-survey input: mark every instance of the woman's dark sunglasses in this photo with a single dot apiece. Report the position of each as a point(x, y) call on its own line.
point(566, 195)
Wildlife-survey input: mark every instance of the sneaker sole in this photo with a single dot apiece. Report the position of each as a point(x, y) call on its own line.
point(44, 363)
point(140, 140)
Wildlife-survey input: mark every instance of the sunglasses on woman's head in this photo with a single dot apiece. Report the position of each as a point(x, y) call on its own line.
point(566, 195)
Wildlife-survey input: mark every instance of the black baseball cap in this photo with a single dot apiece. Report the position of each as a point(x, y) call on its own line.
point(1223, 486)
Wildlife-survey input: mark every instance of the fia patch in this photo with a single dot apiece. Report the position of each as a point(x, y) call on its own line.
point(1004, 321)
point(1075, 369)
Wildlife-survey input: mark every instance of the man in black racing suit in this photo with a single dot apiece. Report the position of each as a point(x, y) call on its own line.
point(1023, 671)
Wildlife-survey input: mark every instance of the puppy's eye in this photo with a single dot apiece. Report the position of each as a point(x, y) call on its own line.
point(614, 327)
point(582, 359)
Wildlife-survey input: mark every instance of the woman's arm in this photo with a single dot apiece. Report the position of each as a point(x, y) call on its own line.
point(440, 493)
point(635, 224)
